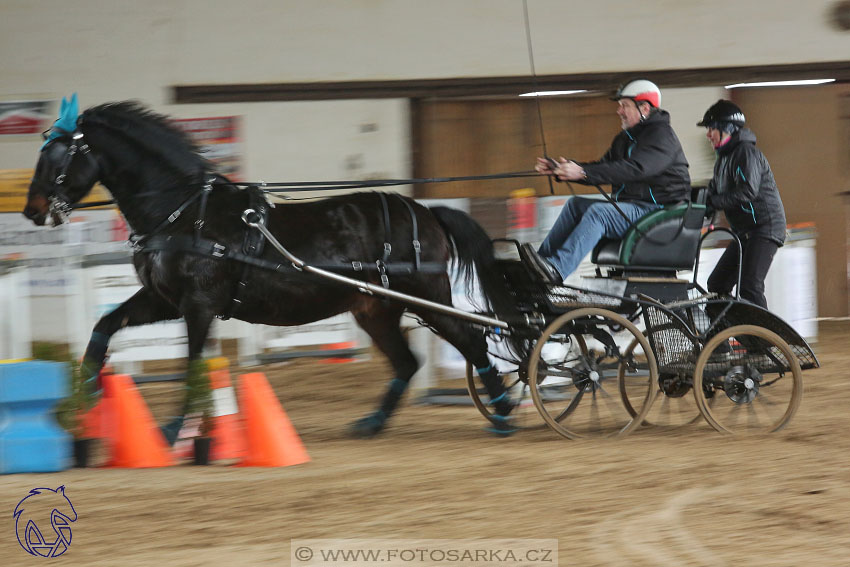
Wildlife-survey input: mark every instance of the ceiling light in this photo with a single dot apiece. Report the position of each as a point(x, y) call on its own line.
point(552, 93)
point(782, 83)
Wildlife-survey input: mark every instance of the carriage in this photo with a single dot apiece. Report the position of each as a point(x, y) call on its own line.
point(593, 359)
point(636, 332)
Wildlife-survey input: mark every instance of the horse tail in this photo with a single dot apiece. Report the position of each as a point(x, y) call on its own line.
point(473, 247)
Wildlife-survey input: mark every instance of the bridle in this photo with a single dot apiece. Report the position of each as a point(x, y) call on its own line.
point(59, 204)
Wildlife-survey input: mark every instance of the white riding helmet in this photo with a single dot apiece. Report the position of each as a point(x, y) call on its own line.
point(640, 90)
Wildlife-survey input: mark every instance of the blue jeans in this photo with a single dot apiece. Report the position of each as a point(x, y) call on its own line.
point(584, 222)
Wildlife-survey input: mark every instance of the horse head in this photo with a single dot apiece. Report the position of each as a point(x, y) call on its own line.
point(66, 170)
point(126, 147)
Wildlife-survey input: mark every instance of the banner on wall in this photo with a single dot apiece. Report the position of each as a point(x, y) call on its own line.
point(218, 138)
point(24, 117)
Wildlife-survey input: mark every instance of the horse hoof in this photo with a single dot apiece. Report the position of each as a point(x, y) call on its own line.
point(366, 427)
point(501, 425)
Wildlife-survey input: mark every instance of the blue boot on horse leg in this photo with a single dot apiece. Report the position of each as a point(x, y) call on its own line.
point(472, 345)
point(373, 423)
point(381, 322)
point(501, 422)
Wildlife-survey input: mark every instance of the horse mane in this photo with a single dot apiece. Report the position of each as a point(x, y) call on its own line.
point(152, 132)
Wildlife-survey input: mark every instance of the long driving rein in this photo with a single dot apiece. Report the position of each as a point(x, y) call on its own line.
point(253, 239)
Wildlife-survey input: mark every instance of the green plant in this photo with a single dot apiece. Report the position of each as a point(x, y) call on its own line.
point(199, 404)
point(70, 411)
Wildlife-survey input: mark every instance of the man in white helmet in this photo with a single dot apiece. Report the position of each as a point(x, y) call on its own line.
point(645, 167)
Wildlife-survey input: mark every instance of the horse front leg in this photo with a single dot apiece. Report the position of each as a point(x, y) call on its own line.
point(382, 325)
point(142, 308)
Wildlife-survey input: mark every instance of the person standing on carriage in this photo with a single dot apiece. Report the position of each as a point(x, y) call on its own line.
point(742, 187)
point(646, 168)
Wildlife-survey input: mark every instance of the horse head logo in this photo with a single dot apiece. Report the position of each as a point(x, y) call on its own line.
point(38, 504)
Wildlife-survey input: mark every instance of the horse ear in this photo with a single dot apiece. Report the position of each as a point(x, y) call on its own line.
point(68, 114)
point(73, 107)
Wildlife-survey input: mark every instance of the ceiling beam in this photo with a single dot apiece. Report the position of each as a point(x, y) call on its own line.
point(501, 86)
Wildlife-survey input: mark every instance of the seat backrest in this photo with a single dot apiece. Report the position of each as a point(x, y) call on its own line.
point(664, 239)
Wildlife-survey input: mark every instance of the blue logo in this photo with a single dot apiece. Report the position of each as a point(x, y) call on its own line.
point(38, 505)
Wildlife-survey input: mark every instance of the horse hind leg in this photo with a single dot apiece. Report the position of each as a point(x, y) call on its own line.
point(473, 346)
point(382, 324)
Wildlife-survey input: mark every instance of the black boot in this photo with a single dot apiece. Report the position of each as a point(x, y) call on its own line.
point(539, 265)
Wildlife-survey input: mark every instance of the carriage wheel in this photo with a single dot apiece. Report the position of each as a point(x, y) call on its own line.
point(677, 409)
point(576, 389)
point(752, 384)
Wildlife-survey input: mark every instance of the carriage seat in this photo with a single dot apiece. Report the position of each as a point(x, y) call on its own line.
point(663, 240)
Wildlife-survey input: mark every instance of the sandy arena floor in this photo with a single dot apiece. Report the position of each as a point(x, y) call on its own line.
point(689, 497)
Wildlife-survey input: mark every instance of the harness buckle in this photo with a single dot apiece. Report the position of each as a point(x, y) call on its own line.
point(218, 250)
point(382, 270)
point(174, 216)
point(417, 247)
point(388, 248)
point(357, 266)
point(60, 179)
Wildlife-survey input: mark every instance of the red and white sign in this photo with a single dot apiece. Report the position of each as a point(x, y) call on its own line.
point(24, 117)
point(219, 138)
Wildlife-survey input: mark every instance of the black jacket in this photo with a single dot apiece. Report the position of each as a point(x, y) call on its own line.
point(744, 188)
point(645, 163)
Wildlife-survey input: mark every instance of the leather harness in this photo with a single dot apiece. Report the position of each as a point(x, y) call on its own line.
point(253, 243)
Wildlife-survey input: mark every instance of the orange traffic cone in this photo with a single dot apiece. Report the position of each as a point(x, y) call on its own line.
point(137, 441)
point(271, 439)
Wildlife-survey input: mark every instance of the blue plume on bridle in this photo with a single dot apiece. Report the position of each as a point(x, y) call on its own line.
point(69, 110)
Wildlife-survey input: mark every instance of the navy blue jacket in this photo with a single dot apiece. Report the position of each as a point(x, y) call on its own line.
point(644, 163)
point(744, 188)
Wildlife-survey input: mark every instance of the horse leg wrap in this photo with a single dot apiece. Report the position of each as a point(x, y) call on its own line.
point(96, 349)
point(501, 425)
point(392, 397)
point(499, 397)
point(93, 360)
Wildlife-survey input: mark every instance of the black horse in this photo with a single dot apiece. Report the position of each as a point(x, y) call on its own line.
point(186, 224)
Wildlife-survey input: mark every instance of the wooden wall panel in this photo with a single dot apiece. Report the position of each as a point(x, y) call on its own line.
point(801, 131)
point(482, 137)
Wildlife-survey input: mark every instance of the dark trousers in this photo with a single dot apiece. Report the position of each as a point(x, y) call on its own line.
point(757, 257)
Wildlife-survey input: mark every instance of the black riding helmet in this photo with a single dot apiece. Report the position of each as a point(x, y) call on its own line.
point(723, 115)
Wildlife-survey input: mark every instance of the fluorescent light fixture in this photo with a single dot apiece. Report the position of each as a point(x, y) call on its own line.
point(552, 93)
point(782, 83)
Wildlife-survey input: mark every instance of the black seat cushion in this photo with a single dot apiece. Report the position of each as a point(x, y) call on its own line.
point(664, 239)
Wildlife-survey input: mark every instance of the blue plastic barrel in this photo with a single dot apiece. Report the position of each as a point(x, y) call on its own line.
point(31, 440)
